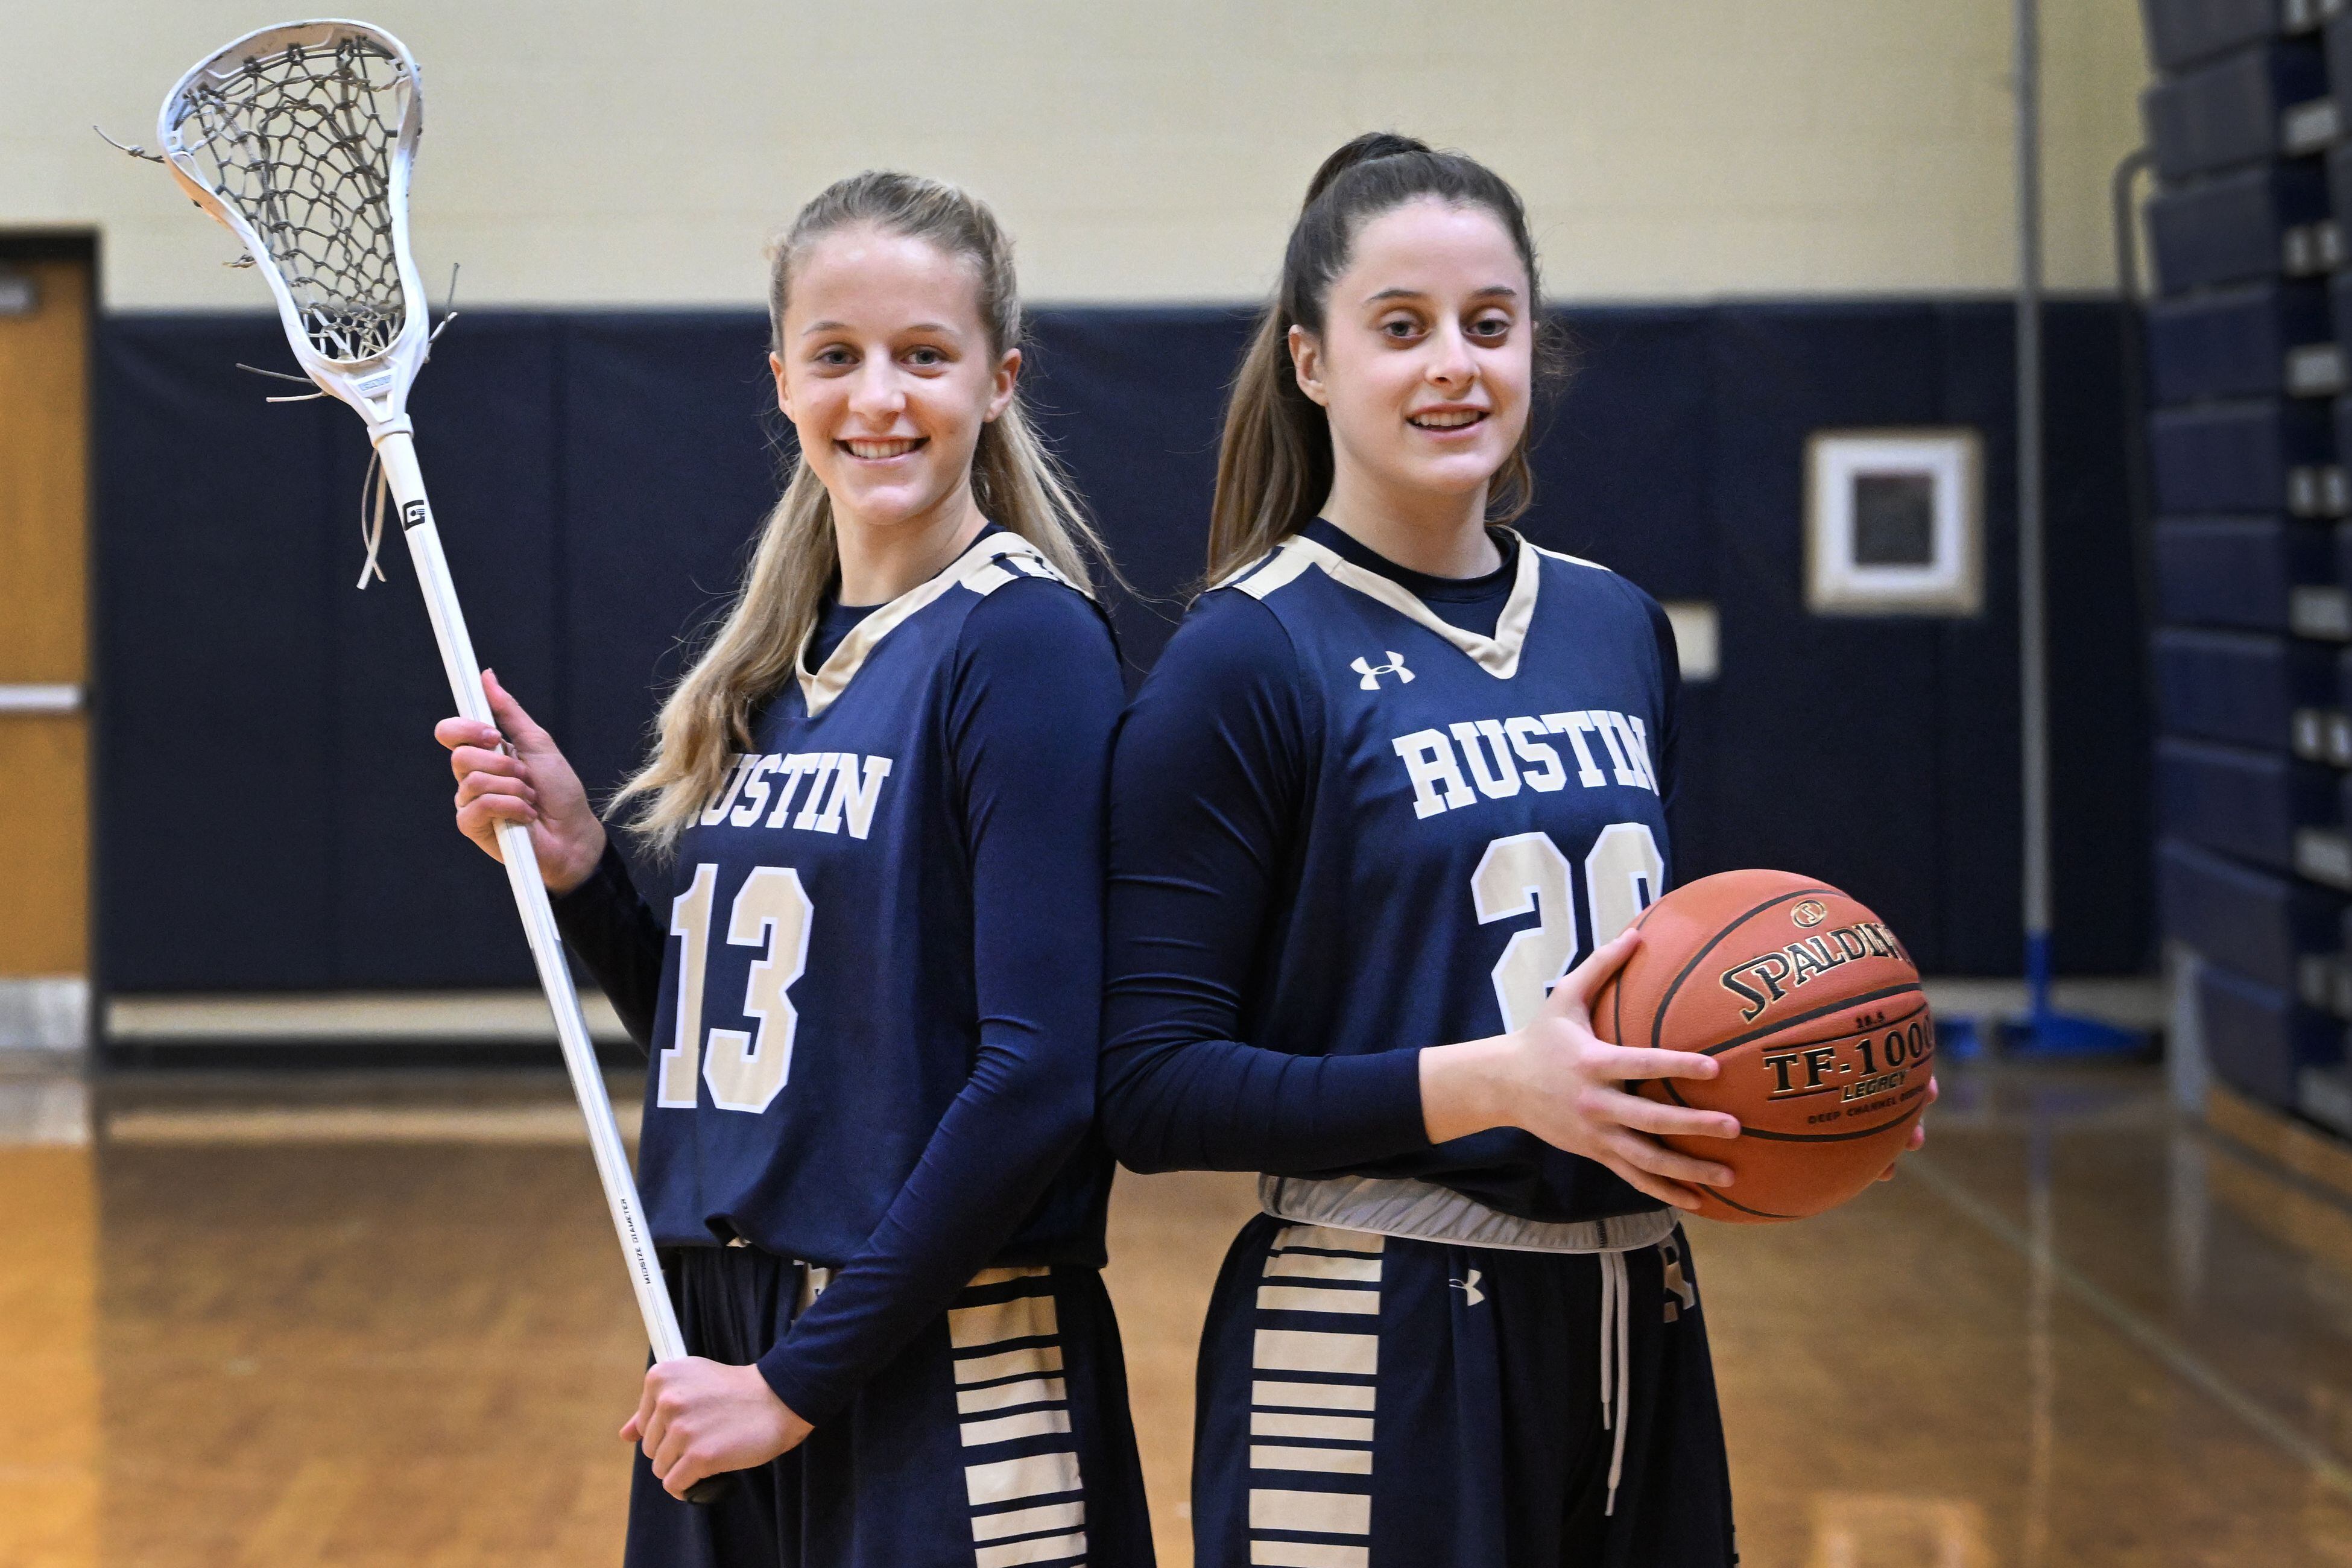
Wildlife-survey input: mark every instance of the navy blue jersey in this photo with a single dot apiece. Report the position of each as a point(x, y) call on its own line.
point(1344, 826)
point(875, 1027)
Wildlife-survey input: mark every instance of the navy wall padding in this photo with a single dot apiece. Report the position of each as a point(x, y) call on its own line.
point(598, 477)
point(2241, 802)
point(670, 463)
point(2232, 342)
point(2234, 457)
point(2239, 687)
point(2237, 571)
point(2180, 32)
point(2336, 41)
point(2339, 167)
point(2231, 228)
point(2259, 1038)
point(2227, 111)
point(2258, 924)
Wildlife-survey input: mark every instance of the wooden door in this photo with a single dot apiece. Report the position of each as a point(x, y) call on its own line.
point(43, 649)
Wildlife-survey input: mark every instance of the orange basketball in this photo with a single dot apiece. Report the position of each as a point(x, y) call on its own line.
point(1815, 1013)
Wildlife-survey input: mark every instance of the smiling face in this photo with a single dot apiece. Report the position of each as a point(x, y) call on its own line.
point(1425, 359)
point(887, 372)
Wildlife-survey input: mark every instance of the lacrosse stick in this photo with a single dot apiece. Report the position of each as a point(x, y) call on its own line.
point(298, 139)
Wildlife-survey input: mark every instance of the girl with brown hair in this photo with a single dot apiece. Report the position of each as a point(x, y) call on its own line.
point(1398, 772)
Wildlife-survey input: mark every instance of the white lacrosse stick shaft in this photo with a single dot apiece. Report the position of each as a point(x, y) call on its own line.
point(397, 449)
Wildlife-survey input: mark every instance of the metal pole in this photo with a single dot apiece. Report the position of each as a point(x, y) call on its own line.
point(2032, 612)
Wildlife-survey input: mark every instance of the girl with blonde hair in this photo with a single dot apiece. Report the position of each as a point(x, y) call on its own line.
point(871, 985)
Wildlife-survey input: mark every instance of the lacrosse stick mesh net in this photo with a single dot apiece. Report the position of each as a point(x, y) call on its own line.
point(300, 144)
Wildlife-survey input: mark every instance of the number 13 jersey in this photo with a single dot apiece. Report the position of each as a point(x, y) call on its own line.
point(837, 989)
point(1344, 825)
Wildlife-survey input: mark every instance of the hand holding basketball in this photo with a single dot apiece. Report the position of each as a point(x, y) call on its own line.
point(532, 784)
point(1556, 1078)
point(1813, 1010)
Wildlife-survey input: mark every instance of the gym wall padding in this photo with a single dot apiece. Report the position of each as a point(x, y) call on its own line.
point(273, 812)
point(2240, 687)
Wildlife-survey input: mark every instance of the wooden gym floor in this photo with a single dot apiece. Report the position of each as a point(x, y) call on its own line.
point(379, 1322)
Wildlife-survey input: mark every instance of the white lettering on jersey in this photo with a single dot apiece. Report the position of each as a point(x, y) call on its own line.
point(1429, 763)
point(797, 767)
point(1502, 781)
point(858, 798)
point(1574, 726)
point(820, 770)
point(755, 793)
point(840, 787)
point(1550, 776)
point(717, 810)
point(1500, 755)
point(1612, 729)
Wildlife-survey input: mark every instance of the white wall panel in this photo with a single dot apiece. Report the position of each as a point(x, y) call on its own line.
point(602, 152)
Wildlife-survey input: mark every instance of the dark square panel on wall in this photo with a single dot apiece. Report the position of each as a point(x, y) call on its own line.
point(1133, 401)
point(2253, 922)
point(2232, 342)
point(1624, 458)
point(2259, 1039)
point(2241, 802)
point(216, 523)
point(1817, 714)
point(2235, 457)
point(415, 903)
point(2182, 31)
point(2240, 687)
point(599, 477)
point(2227, 111)
point(2096, 631)
point(2238, 571)
point(668, 472)
point(2231, 228)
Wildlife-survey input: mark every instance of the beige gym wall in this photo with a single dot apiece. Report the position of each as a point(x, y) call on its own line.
point(606, 153)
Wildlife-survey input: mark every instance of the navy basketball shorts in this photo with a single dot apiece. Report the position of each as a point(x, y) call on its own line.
point(1376, 1402)
point(999, 1436)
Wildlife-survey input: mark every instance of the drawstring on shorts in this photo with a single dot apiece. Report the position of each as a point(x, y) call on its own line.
point(1616, 1364)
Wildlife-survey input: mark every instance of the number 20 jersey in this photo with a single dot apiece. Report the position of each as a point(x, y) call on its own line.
point(1483, 811)
point(818, 1010)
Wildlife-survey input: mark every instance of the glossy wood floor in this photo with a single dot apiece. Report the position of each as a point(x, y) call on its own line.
point(383, 1324)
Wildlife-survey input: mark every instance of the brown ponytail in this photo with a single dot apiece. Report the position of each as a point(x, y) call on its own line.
point(1274, 465)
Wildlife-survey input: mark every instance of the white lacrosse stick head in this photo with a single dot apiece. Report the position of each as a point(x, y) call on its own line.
point(299, 138)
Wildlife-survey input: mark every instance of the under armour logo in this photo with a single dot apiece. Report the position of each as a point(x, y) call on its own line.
point(1470, 1294)
point(1682, 1295)
point(1372, 673)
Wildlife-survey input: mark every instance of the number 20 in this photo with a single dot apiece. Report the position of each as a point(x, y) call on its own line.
point(1526, 872)
point(746, 1069)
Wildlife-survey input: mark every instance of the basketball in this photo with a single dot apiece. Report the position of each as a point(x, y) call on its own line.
point(1814, 1012)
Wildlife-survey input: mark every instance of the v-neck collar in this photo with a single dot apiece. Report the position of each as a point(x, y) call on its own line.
point(818, 691)
point(1498, 654)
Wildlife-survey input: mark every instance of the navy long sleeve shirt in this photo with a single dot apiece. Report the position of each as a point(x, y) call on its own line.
point(1272, 866)
point(935, 1115)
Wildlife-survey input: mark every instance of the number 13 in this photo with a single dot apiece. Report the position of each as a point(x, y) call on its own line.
point(746, 1069)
